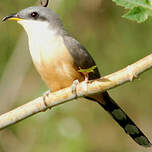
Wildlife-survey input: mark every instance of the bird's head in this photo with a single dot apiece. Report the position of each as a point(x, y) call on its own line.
point(37, 18)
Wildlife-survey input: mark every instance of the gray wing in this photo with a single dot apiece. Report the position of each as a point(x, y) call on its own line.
point(82, 59)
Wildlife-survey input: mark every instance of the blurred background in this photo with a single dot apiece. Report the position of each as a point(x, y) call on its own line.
point(76, 126)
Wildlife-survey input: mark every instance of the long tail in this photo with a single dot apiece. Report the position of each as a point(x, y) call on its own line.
point(121, 118)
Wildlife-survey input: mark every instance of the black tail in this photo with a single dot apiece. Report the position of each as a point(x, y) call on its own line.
point(123, 120)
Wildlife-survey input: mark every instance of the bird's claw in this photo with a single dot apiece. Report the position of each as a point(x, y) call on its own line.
point(131, 73)
point(45, 96)
point(74, 85)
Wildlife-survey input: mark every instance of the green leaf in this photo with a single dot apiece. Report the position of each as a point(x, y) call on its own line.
point(138, 14)
point(138, 10)
point(86, 71)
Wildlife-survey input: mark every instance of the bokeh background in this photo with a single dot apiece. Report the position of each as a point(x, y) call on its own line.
point(76, 126)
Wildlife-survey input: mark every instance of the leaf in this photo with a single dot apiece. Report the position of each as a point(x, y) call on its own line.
point(86, 71)
point(138, 10)
point(138, 14)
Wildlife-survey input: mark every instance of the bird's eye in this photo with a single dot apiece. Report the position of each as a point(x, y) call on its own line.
point(34, 14)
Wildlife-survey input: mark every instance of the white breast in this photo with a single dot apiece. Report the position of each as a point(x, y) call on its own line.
point(43, 41)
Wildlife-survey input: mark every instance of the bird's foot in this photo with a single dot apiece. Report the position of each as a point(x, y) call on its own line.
point(74, 85)
point(45, 96)
point(85, 72)
point(131, 73)
point(86, 78)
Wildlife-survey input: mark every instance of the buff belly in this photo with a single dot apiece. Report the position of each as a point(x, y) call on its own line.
point(58, 74)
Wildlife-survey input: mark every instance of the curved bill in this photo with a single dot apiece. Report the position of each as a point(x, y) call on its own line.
point(13, 17)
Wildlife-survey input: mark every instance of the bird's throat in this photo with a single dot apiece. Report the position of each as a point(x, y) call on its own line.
point(43, 40)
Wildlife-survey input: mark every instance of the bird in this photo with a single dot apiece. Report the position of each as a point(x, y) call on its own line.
point(58, 57)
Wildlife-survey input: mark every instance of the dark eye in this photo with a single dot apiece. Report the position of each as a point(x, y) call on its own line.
point(34, 14)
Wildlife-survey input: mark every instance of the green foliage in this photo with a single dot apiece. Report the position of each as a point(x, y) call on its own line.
point(139, 10)
point(86, 71)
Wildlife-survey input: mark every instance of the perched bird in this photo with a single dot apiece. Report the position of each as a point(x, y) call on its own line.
point(58, 57)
